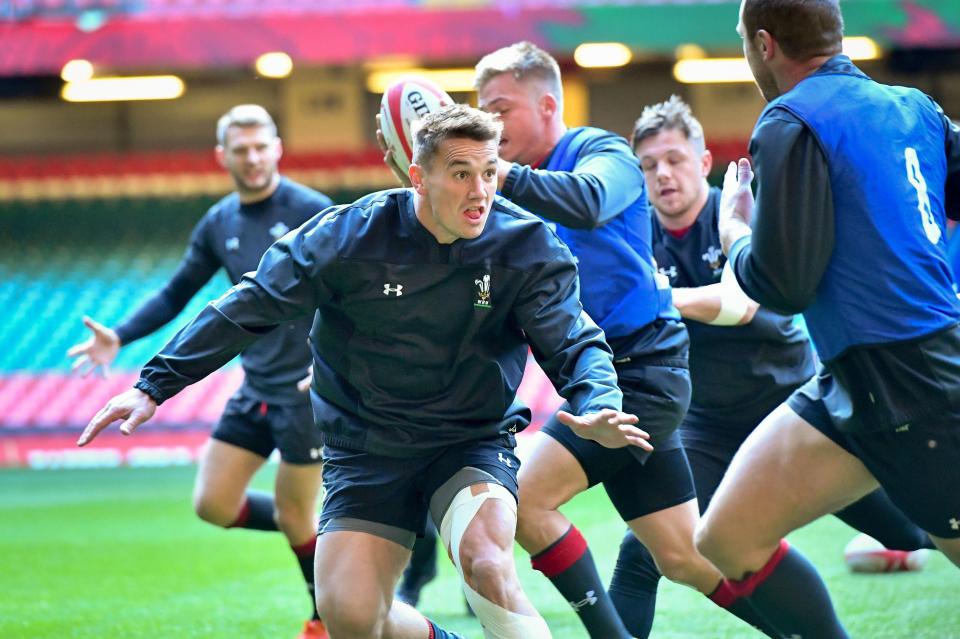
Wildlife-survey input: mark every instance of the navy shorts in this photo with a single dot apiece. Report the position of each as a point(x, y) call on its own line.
point(261, 427)
point(390, 496)
point(917, 464)
point(640, 483)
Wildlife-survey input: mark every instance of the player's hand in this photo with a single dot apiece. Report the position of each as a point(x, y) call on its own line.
point(402, 177)
point(133, 406)
point(98, 351)
point(609, 428)
point(736, 204)
point(304, 384)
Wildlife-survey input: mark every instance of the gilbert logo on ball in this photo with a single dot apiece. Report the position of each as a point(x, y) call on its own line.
point(403, 102)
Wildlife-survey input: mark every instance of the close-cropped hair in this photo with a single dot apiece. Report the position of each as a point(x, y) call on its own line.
point(804, 29)
point(244, 115)
point(672, 114)
point(454, 121)
point(523, 60)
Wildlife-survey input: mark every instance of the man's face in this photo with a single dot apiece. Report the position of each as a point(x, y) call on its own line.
point(459, 184)
point(524, 124)
point(674, 170)
point(761, 73)
point(250, 154)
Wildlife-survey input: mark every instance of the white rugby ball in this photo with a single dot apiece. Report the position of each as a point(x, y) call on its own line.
point(866, 554)
point(404, 102)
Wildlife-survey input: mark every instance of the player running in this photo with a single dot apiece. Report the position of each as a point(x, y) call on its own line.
point(268, 411)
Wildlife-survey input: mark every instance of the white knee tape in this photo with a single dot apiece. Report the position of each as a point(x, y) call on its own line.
point(497, 622)
point(500, 623)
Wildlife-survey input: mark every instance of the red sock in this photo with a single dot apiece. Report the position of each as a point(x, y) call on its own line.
point(562, 554)
point(730, 590)
point(242, 516)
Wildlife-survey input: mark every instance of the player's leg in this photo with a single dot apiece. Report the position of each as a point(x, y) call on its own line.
point(877, 516)
point(422, 568)
point(949, 547)
point(636, 577)
point(372, 512)
point(238, 447)
point(296, 489)
point(550, 476)
point(786, 474)
point(475, 506)
point(657, 501)
point(220, 495)
point(356, 596)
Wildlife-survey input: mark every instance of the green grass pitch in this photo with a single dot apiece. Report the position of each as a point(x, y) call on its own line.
point(119, 553)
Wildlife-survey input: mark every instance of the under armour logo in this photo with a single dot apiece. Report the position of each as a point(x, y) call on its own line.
point(955, 523)
point(278, 230)
point(504, 460)
point(393, 289)
point(589, 600)
point(233, 243)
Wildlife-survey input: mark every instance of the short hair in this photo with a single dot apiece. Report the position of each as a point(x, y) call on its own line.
point(672, 114)
point(453, 121)
point(804, 29)
point(522, 60)
point(244, 115)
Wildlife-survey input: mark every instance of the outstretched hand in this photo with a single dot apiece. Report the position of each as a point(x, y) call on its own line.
point(402, 177)
point(133, 406)
point(736, 204)
point(609, 428)
point(97, 352)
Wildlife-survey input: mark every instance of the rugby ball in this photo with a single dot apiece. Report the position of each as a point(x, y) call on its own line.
point(866, 554)
point(404, 102)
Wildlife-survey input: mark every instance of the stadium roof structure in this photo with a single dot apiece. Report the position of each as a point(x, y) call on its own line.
point(40, 36)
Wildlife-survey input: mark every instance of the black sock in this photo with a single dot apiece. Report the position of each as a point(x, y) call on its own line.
point(304, 554)
point(422, 568)
point(569, 566)
point(877, 516)
point(725, 597)
point(789, 593)
point(256, 513)
point(633, 588)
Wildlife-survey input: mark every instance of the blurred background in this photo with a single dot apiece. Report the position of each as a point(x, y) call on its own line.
point(102, 181)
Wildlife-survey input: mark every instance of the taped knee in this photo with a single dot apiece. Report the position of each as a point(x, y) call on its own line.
point(500, 623)
point(497, 622)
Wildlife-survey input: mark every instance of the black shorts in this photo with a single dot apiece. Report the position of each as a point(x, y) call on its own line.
point(640, 483)
point(260, 428)
point(709, 459)
point(918, 465)
point(390, 496)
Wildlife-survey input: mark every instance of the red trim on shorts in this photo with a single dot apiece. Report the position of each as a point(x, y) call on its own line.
point(730, 590)
point(565, 552)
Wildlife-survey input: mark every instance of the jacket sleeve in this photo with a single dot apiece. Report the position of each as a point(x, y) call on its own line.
point(289, 283)
point(781, 264)
point(566, 343)
point(196, 268)
point(605, 181)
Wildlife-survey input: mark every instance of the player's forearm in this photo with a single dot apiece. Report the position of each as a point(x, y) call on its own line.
point(198, 349)
point(583, 199)
point(781, 264)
